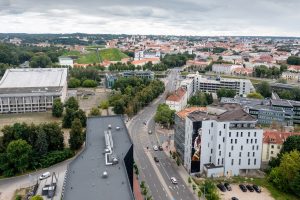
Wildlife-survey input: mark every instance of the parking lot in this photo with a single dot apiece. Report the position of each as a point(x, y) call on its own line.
point(237, 192)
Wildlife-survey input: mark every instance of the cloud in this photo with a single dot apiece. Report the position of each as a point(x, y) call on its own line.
point(178, 17)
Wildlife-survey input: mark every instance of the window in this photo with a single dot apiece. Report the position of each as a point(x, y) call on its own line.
point(240, 155)
point(251, 141)
point(253, 154)
point(248, 154)
point(219, 146)
point(248, 134)
point(210, 159)
point(209, 131)
point(211, 151)
point(218, 161)
point(247, 141)
point(231, 148)
point(220, 133)
point(219, 153)
point(272, 152)
point(232, 161)
point(272, 146)
point(278, 146)
point(222, 161)
point(254, 161)
point(255, 141)
point(212, 124)
point(237, 134)
point(231, 141)
point(235, 141)
point(256, 147)
point(224, 126)
point(207, 144)
point(229, 154)
point(242, 147)
point(223, 139)
point(249, 161)
point(229, 134)
point(253, 147)
point(239, 161)
point(241, 134)
point(254, 134)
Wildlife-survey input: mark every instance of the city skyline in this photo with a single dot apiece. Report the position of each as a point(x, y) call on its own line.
point(214, 18)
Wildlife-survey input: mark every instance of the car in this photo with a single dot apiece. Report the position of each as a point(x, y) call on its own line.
point(149, 132)
point(145, 123)
point(160, 148)
point(45, 175)
point(234, 198)
point(155, 148)
point(228, 187)
point(156, 159)
point(256, 188)
point(173, 180)
point(243, 187)
point(250, 188)
point(221, 187)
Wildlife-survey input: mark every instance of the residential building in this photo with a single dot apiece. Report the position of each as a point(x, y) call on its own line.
point(178, 99)
point(139, 55)
point(188, 85)
point(66, 61)
point(224, 68)
point(291, 76)
point(273, 142)
point(32, 90)
point(104, 169)
point(212, 85)
point(223, 141)
point(140, 74)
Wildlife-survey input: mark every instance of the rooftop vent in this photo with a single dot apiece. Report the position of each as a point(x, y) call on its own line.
point(118, 128)
point(104, 174)
point(109, 126)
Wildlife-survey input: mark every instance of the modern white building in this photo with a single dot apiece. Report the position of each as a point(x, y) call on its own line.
point(223, 141)
point(224, 68)
point(188, 85)
point(66, 61)
point(177, 100)
point(140, 55)
point(212, 85)
point(32, 90)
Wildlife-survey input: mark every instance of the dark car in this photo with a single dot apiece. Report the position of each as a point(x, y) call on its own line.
point(243, 187)
point(228, 187)
point(234, 198)
point(256, 188)
point(250, 188)
point(156, 159)
point(221, 187)
point(160, 148)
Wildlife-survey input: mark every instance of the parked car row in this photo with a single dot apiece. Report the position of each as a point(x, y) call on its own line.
point(224, 187)
point(251, 188)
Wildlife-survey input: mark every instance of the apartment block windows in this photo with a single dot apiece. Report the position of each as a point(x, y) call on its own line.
point(247, 141)
point(222, 161)
point(254, 134)
point(253, 154)
point(248, 134)
point(254, 161)
point(224, 126)
point(229, 134)
point(212, 124)
point(231, 141)
point(240, 154)
point(272, 146)
point(253, 147)
point(232, 161)
point(251, 141)
point(229, 154)
point(219, 153)
point(223, 139)
point(241, 134)
point(272, 152)
point(248, 154)
point(249, 161)
point(239, 161)
point(218, 161)
point(210, 159)
point(255, 141)
point(237, 134)
point(242, 147)
point(219, 146)
point(235, 141)
point(211, 151)
point(256, 147)
point(231, 148)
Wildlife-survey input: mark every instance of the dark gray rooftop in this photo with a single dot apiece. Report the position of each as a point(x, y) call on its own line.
point(280, 102)
point(84, 177)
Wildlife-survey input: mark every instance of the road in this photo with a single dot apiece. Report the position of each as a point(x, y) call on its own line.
point(156, 175)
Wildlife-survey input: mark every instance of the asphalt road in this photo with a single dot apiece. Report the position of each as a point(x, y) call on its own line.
point(156, 175)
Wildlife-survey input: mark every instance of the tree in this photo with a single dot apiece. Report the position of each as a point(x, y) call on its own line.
point(80, 114)
point(104, 105)
point(178, 161)
point(89, 83)
point(41, 61)
point(74, 83)
point(293, 60)
point(95, 112)
point(57, 108)
point(55, 136)
point(255, 95)
point(295, 184)
point(189, 180)
point(37, 197)
point(41, 143)
point(291, 143)
point(18, 154)
point(223, 92)
point(68, 118)
point(164, 115)
point(76, 135)
point(119, 107)
point(264, 89)
point(72, 103)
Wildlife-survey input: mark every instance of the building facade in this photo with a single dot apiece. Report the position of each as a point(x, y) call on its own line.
point(66, 61)
point(32, 90)
point(177, 100)
point(140, 74)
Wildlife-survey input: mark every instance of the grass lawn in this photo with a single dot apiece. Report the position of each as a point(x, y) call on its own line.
point(112, 54)
point(72, 53)
point(89, 58)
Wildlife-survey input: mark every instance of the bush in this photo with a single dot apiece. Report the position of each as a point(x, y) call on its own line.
point(56, 157)
point(89, 83)
point(74, 83)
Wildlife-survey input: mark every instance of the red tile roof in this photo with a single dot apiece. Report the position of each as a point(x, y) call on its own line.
point(277, 137)
point(177, 95)
point(183, 113)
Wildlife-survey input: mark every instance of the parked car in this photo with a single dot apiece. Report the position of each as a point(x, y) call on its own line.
point(250, 188)
point(156, 159)
point(234, 198)
point(150, 132)
point(173, 180)
point(145, 123)
point(45, 175)
point(221, 187)
point(160, 148)
point(256, 188)
point(155, 148)
point(228, 187)
point(243, 187)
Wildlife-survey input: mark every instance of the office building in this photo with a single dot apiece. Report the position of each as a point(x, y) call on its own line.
point(104, 169)
point(32, 90)
point(140, 74)
point(66, 61)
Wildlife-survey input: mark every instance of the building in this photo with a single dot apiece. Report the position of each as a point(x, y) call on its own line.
point(65, 61)
point(144, 61)
point(223, 141)
point(32, 90)
point(224, 68)
point(140, 74)
point(139, 55)
point(104, 169)
point(188, 85)
point(178, 99)
point(272, 143)
point(110, 80)
point(291, 76)
point(212, 85)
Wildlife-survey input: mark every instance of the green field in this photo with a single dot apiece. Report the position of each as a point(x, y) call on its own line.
point(91, 56)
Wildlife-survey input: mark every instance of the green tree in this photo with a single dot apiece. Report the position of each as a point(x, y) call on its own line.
point(76, 135)
point(291, 143)
point(194, 188)
point(57, 108)
point(95, 112)
point(293, 60)
point(223, 92)
point(37, 197)
point(189, 180)
point(264, 89)
point(255, 95)
point(18, 154)
point(295, 184)
point(80, 114)
point(164, 115)
point(55, 136)
point(119, 107)
point(74, 83)
point(89, 83)
point(68, 118)
point(41, 143)
point(72, 103)
point(41, 61)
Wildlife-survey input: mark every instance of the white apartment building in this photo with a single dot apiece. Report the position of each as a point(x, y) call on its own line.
point(224, 68)
point(223, 141)
point(188, 85)
point(140, 55)
point(178, 100)
point(66, 61)
point(210, 85)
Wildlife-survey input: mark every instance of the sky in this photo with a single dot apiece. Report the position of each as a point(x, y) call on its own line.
point(157, 17)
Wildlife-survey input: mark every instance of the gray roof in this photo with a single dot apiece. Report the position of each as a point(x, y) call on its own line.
point(281, 102)
point(34, 78)
point(84, 178)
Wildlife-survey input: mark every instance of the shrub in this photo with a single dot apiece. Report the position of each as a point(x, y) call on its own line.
point(89, 83)
point(56, 157)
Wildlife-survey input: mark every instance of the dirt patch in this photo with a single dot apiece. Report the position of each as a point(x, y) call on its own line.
point(89, 98)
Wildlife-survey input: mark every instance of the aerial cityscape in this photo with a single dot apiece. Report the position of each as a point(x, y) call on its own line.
point(157, 100)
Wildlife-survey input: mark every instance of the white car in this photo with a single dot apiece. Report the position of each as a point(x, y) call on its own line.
point(45, 175)
point(155, 148)
point(173, 180)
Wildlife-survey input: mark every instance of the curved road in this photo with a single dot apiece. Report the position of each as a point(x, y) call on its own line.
point(156, 175)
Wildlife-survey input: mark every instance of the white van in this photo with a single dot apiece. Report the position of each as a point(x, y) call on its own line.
point(45, 175)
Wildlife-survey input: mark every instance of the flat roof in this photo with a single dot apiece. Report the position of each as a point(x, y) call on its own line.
point(84, 178)
point(281, 102)
point(33, 78)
